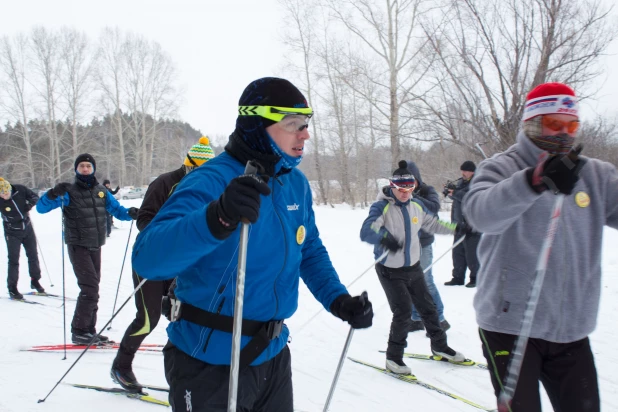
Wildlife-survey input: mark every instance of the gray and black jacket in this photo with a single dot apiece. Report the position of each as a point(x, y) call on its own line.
point(514, 221)
point(15, 217)
point(404, 221)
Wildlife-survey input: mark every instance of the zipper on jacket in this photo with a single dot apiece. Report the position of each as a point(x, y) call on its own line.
point(20, 214)
point(285, 253)
point(96, 215)
point(211, 329)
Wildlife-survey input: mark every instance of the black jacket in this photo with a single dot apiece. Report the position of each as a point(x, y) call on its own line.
point(15, 210)
point(158, 192)
point(458, 194)
point(429, 197)
point(85, 221)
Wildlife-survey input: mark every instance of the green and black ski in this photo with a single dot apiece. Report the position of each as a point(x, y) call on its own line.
point(142, 396)
point(414, 380)
point(467, 362)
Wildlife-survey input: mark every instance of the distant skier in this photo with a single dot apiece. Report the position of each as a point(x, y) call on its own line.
point(15, 204)
point(148, 298)
point(511, 200)
point(394, 223)
point(84, 204)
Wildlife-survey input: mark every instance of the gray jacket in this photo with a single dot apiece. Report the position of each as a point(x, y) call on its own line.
point(403, 221)
point(514, 221)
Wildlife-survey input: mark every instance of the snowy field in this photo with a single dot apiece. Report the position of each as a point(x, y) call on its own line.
point(316, 346)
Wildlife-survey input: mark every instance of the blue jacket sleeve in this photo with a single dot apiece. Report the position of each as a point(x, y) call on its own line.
point(45, 204)
point(316, 269)
point(116, 209)
point(368, 234)
point(178, 236)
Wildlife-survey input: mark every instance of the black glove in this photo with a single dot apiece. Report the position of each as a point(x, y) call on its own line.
point(133, 212)
point(241, 199)
point(57, 191)
point(391, 243)
point(357, 310)
point(423, 190)
point(463, 228)
point(558, 173)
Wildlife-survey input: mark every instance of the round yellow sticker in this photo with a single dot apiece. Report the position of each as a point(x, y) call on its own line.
point(8, 209)
point(582, 199)
point(300, 235)
point(415, 220)
point(101, 194)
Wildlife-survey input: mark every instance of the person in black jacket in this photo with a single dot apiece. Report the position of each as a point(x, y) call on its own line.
point(464, 255)
point(15, 203)
point(148, 298)
point(110, 218)
point(430, 198)
point(84, 204)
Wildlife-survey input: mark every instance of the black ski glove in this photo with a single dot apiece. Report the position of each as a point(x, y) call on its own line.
point(357, 310)
point(558, 173)
point(241, 199)
point(133, 212)
point(57, 191)
point(389, 242)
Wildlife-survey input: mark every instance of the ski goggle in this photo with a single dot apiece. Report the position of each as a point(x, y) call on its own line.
point(404, 184)
point(274, 113)
point(556, 125)
point(294, 123)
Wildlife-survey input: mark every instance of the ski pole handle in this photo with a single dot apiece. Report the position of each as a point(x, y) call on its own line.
point(251, 168)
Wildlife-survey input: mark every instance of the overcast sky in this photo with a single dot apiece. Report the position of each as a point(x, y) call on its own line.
point(218, 46)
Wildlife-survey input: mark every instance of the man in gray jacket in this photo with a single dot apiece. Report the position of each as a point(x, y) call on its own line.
point(511, 202)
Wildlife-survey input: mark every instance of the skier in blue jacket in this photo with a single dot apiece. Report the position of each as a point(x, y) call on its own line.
point(195, 238)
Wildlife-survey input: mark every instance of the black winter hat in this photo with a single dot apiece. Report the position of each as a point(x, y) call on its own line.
point(402, 170)
point(106, 181)
point(85, 157)
point(267, 91)
point(468, 166)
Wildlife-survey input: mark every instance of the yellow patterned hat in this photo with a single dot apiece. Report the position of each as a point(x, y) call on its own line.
point(5, 186)
point(199, 153)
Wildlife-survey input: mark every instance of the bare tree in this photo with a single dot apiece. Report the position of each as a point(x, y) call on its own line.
point(17, 101)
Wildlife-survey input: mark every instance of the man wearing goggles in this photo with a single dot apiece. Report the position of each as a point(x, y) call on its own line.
point(511, 200)
point(394, 223)
point(203, 217)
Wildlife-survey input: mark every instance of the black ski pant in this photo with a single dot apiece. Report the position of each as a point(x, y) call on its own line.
point(403, 288)
point(197, 386)
point(109, 221)
point(87, 267)
point(14, 240)
point(464, 256)
point(566, 370)
point(148, 304)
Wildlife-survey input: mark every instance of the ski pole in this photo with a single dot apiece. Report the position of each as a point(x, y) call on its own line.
point(250, 168)
point(94, 339)
point(461, 239)
point(382, 256)
point(478, 146)
point(514, 369)
point(121, 270)
point(346, 346)
point(64, 300)
point(43, 257)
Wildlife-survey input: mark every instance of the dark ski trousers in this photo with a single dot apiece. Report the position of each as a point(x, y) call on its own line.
point(109, 221)
point(197, 386)
point(464, 256)
point(87, 267)
point(148, 304)
point(14, 240)
point(404, 287)
point(566, 370)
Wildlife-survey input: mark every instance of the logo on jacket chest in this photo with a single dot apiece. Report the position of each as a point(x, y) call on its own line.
point(582, 199)
point(293, 207)
point(101, 194)
point(300, 234)
point(8, 209)
point(415, 220)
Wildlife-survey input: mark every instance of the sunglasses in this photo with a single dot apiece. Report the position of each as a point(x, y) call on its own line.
point(294, 123)
point(274, 113)
point(404, 186)
point(556, 125)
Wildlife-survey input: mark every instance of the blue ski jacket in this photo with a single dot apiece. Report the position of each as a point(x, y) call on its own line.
point(284, 246)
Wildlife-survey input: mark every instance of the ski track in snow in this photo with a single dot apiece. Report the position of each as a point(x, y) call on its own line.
point(316, 348)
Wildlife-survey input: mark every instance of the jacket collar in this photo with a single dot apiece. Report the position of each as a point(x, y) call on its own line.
point(239, 150)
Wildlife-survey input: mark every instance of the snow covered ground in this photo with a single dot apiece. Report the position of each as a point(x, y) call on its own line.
point(316, 346)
